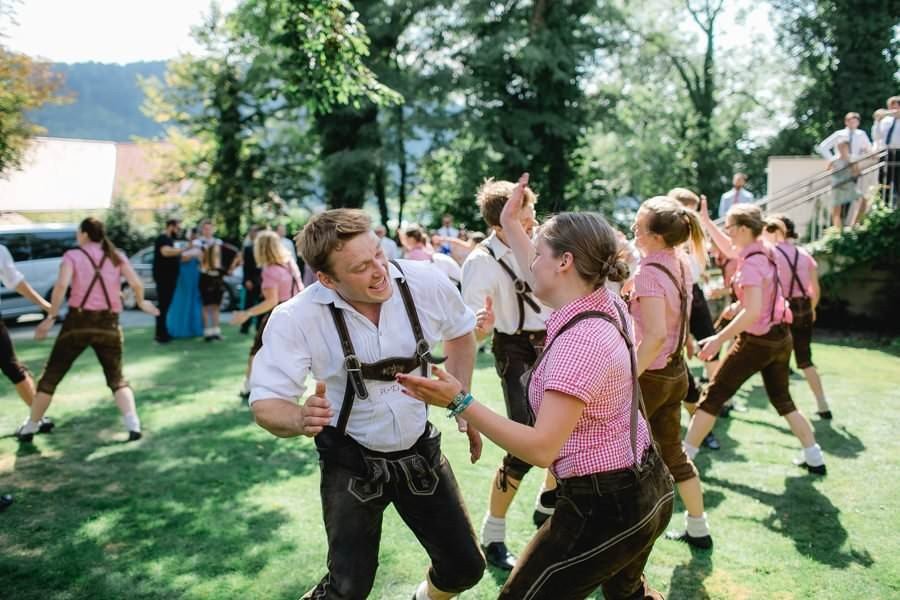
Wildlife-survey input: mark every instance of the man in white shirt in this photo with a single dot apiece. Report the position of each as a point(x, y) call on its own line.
point(364, 321)
point(388, 246)
point(287, 242)
point(735, 195)
point(447, 229)
point(858, 139)
point(495, 287)
point(14, 370)
point(889, 129)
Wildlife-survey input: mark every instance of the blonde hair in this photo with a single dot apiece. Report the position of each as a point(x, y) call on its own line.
point(685, 196)
point(748, 215)
point(675, 224)
point(591, 242)
point(268, 250)
point(327, 232)
point(492, 196)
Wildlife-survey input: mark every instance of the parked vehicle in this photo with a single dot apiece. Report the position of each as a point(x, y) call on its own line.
point(37, 250)
point(142, 262)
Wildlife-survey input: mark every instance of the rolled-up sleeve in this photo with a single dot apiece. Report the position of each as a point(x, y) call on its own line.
point(9, 274)
point(281, 366)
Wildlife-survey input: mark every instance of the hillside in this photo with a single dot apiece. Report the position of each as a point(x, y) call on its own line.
point(107, 102)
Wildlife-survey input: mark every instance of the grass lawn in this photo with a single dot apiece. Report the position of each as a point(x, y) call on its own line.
point(208, 505)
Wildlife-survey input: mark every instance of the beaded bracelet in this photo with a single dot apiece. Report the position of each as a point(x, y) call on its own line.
point(459, 403)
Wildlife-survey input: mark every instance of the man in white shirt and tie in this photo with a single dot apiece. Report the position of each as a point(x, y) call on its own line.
point(889, 129)
point(364, 321)
point(860, 146)
point(494, 286)
point(735, 195)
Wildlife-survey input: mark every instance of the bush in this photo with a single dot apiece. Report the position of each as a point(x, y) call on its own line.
point(122, 230)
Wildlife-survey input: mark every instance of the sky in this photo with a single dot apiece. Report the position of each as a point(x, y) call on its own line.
point(111, 31)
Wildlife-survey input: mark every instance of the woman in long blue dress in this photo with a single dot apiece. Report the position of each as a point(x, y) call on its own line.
point(184, 318)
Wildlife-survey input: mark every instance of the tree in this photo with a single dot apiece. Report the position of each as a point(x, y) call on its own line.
point(25, 85)
point(850, 55)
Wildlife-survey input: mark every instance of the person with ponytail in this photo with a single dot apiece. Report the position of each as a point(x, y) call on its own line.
point(94, 271)
point(615, 494)
point(760, 320)
point(281, 281)
point(800, 279)
point(660, 304)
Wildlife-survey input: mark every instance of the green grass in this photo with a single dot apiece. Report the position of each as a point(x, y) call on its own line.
point(208, 505)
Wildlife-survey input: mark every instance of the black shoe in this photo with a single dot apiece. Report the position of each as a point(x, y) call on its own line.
point(825, 415)
point(819, 470)
point(207, 338)
point(162, 340)
point(244, 394)
point(134, 436)
point(499, 556)
point(711, 442)
point(725, 411)
point(46, 425)
point(703, 542)
point(5, 501)
point(24, 438)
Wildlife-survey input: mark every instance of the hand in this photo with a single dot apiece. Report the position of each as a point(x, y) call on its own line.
point(485, 319)
point(316, 412)
point(239, 317)
point(475, 443)
point(437, 392)
point(704, 208)
point(509, 216)
point(709, 347)
point(149, 308)
point(41, 331)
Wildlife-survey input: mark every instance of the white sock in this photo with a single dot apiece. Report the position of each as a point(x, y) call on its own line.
point(206, 332)
point(132, 422)
point(691, 451)
point(813, 456)
point(493, 529)
point(422, 591)
point(30, 426)
point(696, 526)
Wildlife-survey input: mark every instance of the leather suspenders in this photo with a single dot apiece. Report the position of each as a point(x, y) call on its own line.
point(523, 290)
point(97, 277)
point(383, 370)
point(795, 277)
point(682, 294)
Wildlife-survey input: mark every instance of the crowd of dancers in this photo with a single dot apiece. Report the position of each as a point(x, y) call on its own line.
point(590, 336)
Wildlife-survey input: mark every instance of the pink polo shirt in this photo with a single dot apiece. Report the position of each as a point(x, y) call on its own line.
point(591, 362)
point(83, 273)
point(417, 254)
point(281, 277)
point(791, 287)
point(757, 271)
point(650, 282)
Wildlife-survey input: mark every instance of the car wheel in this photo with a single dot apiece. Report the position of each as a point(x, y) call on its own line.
point(129, 301)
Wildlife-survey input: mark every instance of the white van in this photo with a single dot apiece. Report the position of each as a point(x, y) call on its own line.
point(37, 250)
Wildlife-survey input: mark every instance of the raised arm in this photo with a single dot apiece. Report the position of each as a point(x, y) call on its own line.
point(719, 237)
point(515, 234)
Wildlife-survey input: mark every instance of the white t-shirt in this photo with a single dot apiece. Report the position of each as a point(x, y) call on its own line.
point(300, 339)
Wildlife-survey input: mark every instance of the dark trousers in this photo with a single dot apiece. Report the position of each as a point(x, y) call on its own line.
point(664, 390)
point(601, 535)
point(165, 291)
point(358, 485)
point(252, 298)
point(801, 331)
point(514, 355)
point(14, 370)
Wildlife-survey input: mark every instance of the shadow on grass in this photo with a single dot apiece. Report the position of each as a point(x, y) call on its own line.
point(688, 577)
point(838, 441)
point(803, 514)
point(103, 519)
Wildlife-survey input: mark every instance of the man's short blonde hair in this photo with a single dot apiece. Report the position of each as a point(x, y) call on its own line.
point(327, 232)
point(492, 196)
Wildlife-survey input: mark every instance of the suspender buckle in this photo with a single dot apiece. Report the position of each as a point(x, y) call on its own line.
point(352, 363)
point(423, 351)
point(520, 286)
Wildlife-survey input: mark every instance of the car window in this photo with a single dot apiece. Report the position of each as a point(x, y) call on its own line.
point(17, 244)
point(51, 244)
point(146, 257)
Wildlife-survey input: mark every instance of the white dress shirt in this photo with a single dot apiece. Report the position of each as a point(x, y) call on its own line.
point(290, 247)
point(389, 247)
point(859, 144)
point(450, 232)
point(728, 199)
point(483, 277)
point(10, 276)
point(301, 339)
point(890, 139)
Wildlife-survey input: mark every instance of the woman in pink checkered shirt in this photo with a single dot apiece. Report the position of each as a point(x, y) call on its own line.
point(615, 493)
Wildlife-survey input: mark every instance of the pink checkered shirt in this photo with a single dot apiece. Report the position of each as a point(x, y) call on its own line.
point(590, 361)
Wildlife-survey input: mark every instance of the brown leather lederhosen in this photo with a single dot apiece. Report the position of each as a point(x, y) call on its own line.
point(264, 318)
point(801, 309)
point(665, 389)
point(82, 328)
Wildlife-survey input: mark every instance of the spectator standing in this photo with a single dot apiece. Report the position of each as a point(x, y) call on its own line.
point(736, 195)
point(388, 246)
point(166, 261)
point(286, 241)
point(889, 132)
point(859, 146)
point(252, 275)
